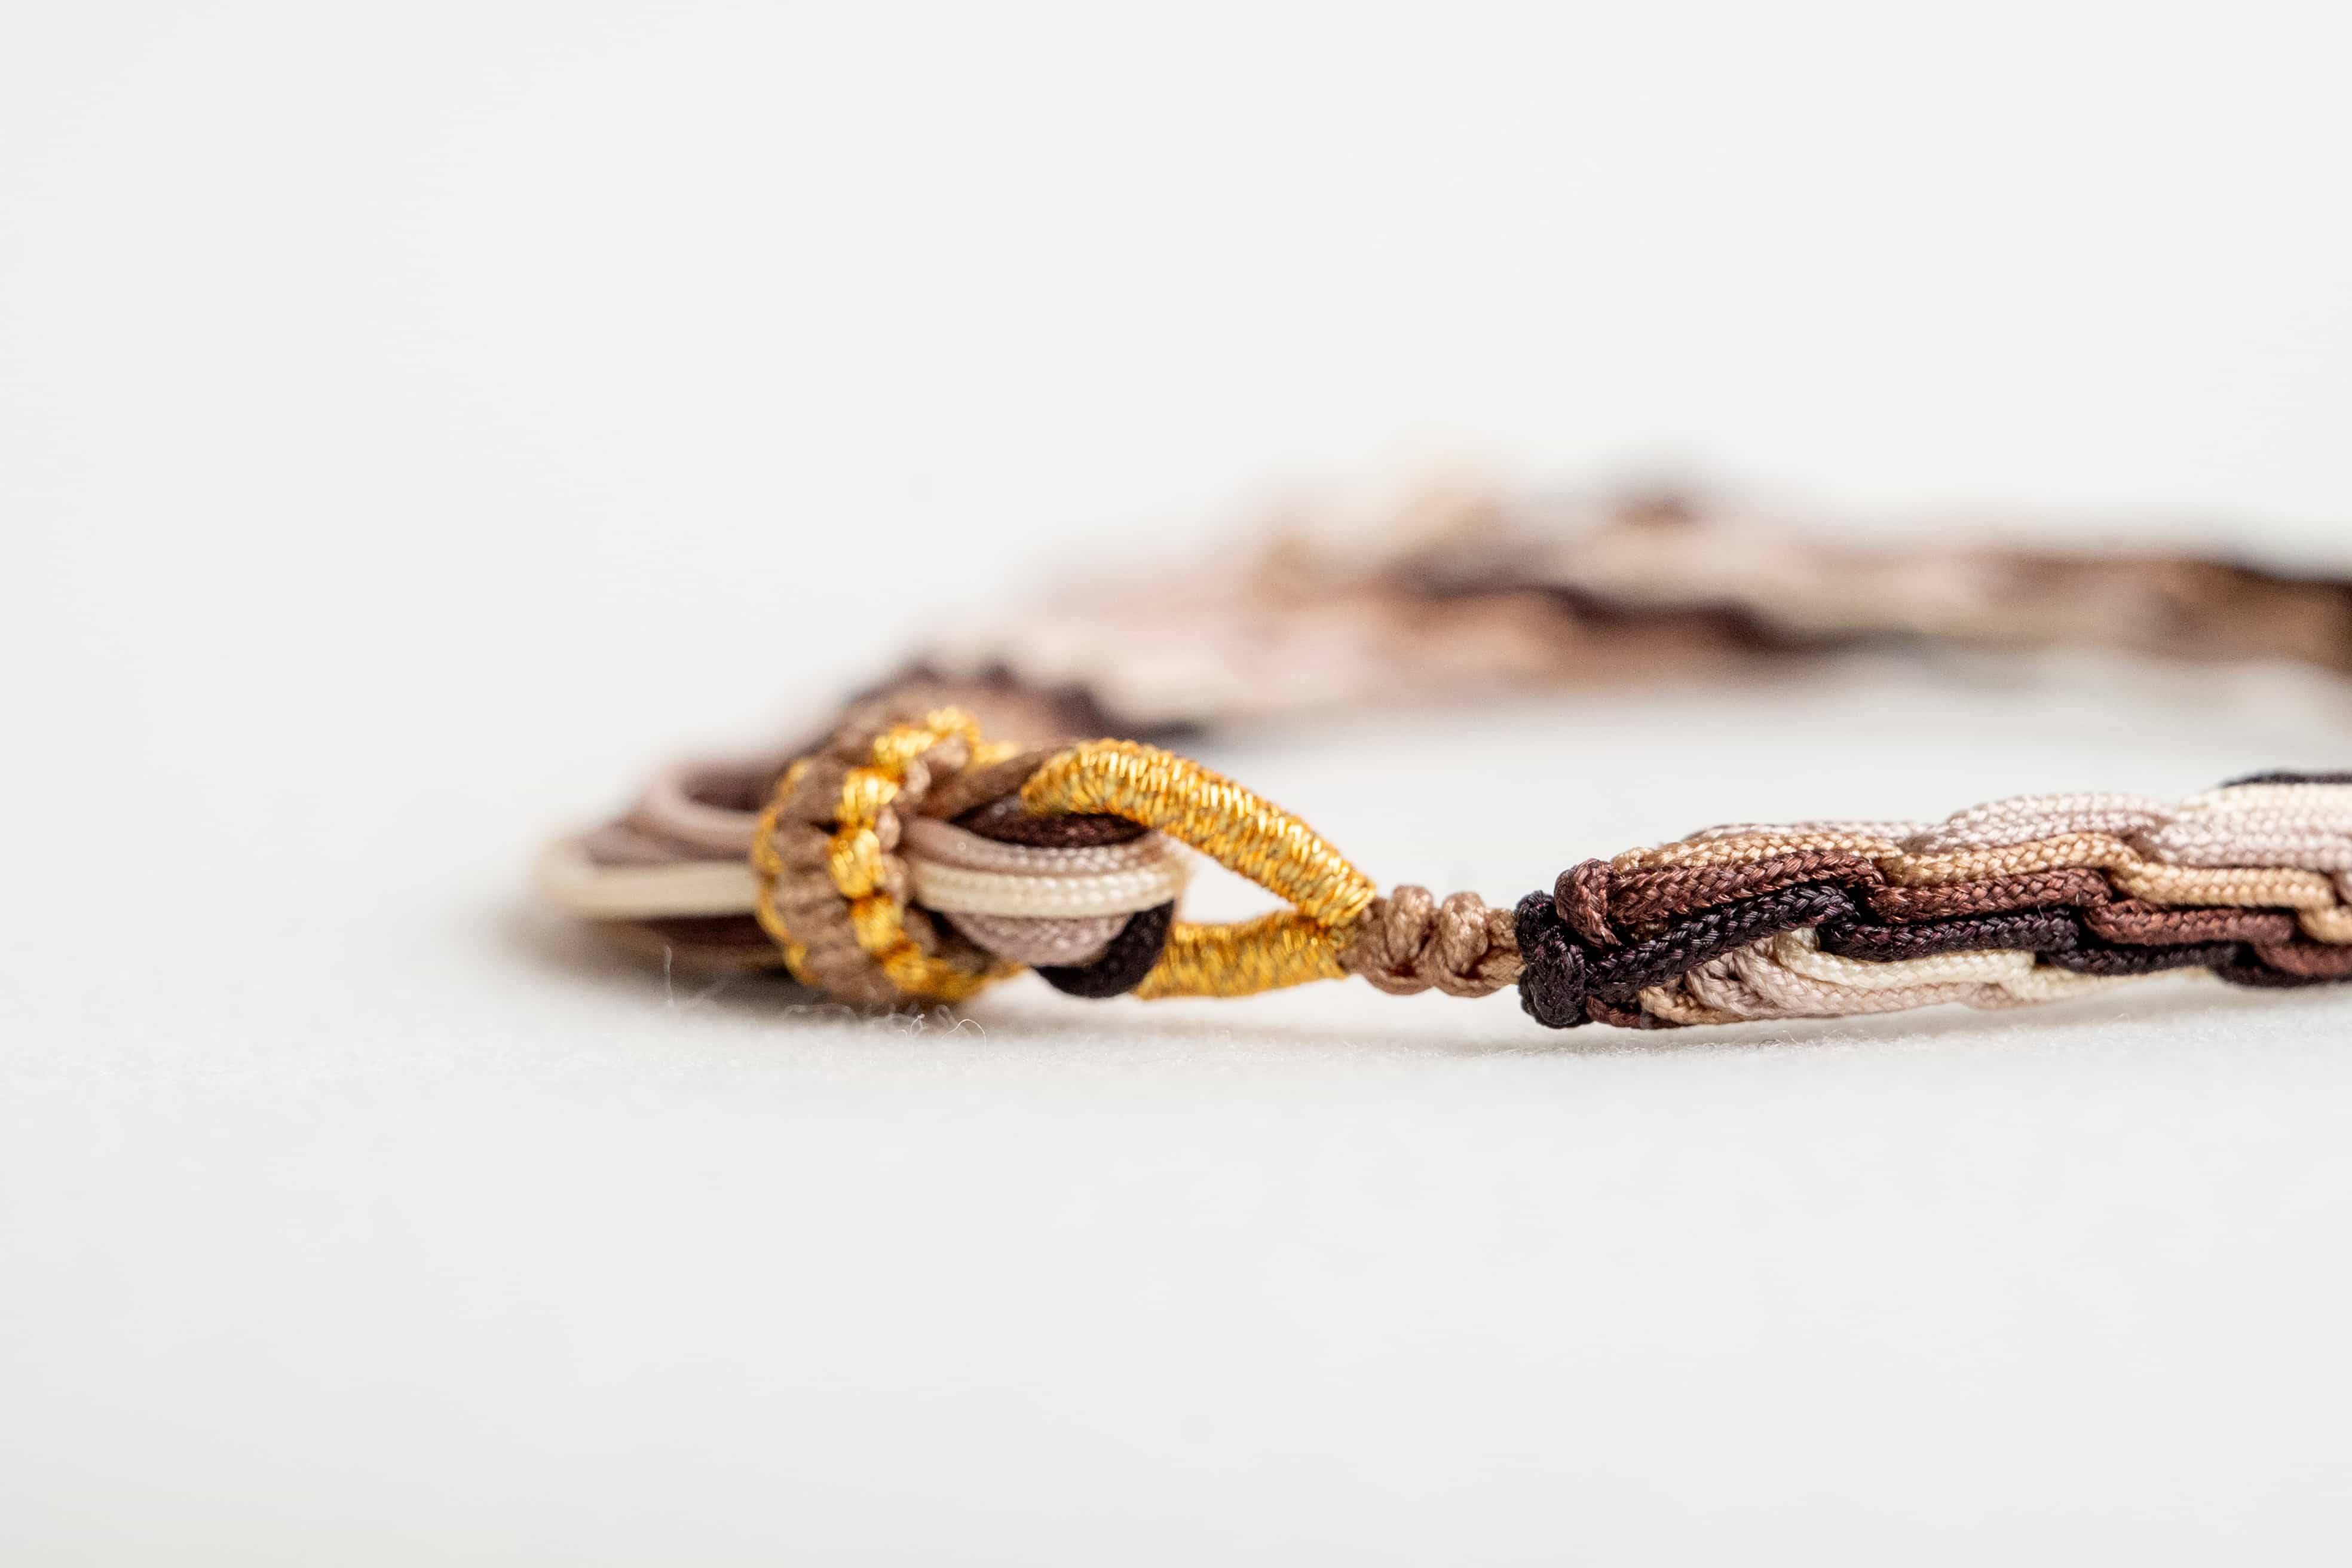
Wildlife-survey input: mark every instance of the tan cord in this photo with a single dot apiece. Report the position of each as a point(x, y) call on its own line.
point(568, 877)
point(1040, 941)
point(1412, 942)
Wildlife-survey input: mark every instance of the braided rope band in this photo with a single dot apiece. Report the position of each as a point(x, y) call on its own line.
point(2024, 900)
point(906, 861)
point(1060, 862)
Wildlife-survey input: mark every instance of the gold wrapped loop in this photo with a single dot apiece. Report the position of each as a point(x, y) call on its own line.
point(1240, 831)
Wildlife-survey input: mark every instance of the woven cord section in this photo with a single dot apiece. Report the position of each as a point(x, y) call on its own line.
point(2023, 901)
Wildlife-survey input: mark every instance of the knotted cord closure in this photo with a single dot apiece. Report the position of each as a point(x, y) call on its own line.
point(832, 890)
point(872, 895)
point(1241, 832)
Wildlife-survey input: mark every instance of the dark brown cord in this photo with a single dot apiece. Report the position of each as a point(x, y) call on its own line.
point(1124, 963)
point(2033, 930)
point(2099, 958)
point(1627, 972)
point(1004, 820)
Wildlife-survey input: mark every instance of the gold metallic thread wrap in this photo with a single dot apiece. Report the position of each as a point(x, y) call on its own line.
point(1240, 831)
point(1275, 949)
point(856, 864)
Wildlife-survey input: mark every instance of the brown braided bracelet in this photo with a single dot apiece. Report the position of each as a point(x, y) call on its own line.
point(951, 830)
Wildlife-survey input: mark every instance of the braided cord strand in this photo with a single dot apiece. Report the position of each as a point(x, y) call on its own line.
point(2023, 901)
point(908, 858)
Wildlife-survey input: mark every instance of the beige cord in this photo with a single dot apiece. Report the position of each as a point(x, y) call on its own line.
point(568, 879)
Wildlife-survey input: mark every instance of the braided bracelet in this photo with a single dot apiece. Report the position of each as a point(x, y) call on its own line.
point(948, 832)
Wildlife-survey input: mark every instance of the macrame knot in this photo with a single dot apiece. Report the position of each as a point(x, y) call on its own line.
point(1412, 942)
point(1553, 973)
point(832, 887)
point(876, 897)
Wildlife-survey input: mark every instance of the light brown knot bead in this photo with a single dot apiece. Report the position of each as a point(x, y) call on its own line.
point(1412, 942)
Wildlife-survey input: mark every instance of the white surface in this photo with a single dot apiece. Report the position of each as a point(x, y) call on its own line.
point(417, 421)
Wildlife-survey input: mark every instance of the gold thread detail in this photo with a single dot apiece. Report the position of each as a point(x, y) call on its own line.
point(1232, 826)
point(858, 867)
point(855, 861)
point(1241, 832)
point(1279, 949)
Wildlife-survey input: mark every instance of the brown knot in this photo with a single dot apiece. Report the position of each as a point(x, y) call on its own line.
point(1410, 941)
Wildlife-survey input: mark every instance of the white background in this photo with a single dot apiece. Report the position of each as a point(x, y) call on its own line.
point(417, 420)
